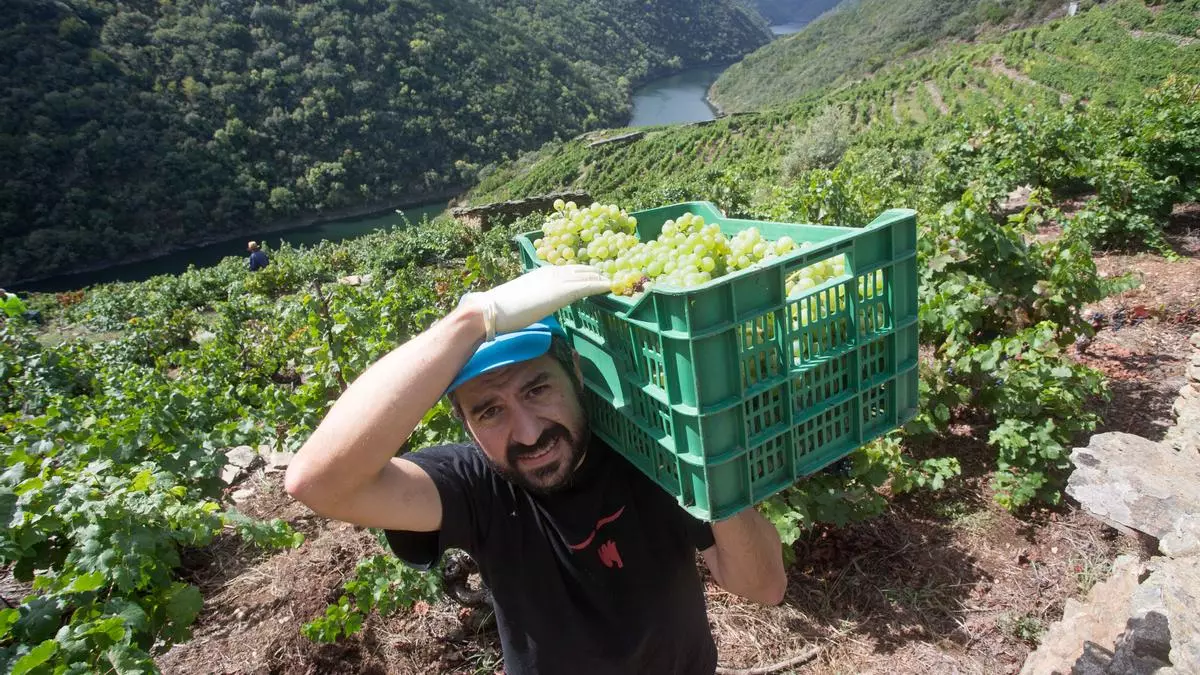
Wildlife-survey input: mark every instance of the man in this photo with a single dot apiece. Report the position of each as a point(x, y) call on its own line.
point(592, 566)
point(258, 258)
point(14, 307)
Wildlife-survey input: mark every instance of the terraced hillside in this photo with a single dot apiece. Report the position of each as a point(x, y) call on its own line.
point(1127, 46)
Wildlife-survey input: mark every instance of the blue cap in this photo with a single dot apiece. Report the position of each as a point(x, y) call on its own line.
point(509, 348)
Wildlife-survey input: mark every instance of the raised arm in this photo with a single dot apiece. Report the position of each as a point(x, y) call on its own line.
point(747, 559)
point(347, 470)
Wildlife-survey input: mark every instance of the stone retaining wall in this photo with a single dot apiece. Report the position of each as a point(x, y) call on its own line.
point(486, 216)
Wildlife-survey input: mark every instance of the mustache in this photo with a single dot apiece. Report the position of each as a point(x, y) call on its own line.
point(551, 434)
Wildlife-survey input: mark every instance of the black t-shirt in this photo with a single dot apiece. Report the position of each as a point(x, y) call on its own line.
point(598, 579)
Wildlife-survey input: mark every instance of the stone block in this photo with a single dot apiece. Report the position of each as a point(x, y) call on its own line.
point(1134, 482)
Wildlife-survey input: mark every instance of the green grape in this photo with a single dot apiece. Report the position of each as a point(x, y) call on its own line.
point(688, 251)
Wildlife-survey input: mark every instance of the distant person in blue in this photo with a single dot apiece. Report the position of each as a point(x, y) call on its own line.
point(258, 259)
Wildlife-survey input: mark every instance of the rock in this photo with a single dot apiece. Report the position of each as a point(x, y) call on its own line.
point(1129, 629)
point(1172, 591)
point(278, 461)
point(239, 461)
point(356, 279)
point(1098, 620)
point(242, 456)
point(1195, 339)
point(1186, 407)
point(1017, 199)
point(1133, 482)
point(1185, 435)
point(231, 474)
point(241, 496)
point(1141, 650)
point(1183, 539)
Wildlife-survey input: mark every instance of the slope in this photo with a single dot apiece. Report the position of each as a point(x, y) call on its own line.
point(857, 38)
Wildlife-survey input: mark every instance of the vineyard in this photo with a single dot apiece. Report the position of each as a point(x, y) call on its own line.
point(116, 414)
point(913, 100)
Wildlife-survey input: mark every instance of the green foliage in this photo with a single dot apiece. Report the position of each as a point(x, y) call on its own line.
point(109, 470)
point(822, 144)
point(636, 40)
point(1027, 628)
point(131, 127)
point(381, 583)
point(1008, 147)
point(855, 39)
point(849, 495)
point(273, 534)
point(1039, 402)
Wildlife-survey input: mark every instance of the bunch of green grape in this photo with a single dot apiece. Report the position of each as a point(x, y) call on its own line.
point(687, 253)
point(748, 247)
point(815, 274)
point(597, 234)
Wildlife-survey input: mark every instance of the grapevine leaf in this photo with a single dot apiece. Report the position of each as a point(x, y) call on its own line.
point(8, 617)
point(129, 611)
point(36, 657)
point(41, 618)
point(142, 482)
point(112, 627)
point(86, 582)
point(183, 604)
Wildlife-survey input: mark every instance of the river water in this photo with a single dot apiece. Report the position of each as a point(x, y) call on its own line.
point(683, 97)
point(788, 28)
point(678, 98)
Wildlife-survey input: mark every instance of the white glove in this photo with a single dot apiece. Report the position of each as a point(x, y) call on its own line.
point(535, 295)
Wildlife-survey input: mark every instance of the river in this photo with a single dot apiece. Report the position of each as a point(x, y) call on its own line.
point(788, 28)
point(683, 97)
point(678, 98)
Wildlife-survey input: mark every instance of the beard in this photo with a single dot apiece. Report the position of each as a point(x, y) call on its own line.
point(542, 479)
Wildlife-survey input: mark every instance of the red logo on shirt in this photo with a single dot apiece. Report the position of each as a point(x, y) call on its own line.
point(609, 554)
point(599, 524)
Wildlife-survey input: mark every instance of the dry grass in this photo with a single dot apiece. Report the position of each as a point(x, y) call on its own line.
point(950, 585)
point(256, 603)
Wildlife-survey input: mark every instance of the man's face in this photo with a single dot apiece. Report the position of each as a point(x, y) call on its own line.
point(528, 421)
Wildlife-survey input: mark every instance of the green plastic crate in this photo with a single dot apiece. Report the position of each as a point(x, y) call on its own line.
point(720, 393)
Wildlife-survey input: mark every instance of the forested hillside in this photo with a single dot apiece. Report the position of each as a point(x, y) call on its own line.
point(632, 39)
point(135, 126)
point(857, 39)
